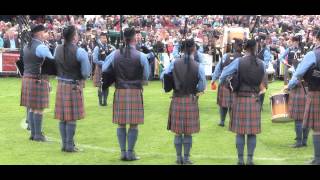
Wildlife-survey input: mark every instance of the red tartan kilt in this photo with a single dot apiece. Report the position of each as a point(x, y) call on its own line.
point(296, 103)
point(245, 115)
point(224, 98)
point(69, 101)
point(97, 76)
point(128, 106)
point(184, 115)
point(34, 93)
point(311, 117)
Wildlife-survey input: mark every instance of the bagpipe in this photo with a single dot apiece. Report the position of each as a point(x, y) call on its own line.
point(108, 77)
point(48, 66)
point(168, 82)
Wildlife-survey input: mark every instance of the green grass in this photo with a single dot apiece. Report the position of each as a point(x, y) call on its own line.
point(96, 134)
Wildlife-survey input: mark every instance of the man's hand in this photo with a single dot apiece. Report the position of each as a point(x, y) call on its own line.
point(213, 85)
point(285, 89)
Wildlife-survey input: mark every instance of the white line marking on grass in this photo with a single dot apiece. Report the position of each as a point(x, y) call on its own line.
point(113, 150)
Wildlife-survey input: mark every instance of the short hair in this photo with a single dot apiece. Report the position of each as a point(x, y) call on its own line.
point(103, 34)
point(69, 32)
point(250, 44)
point(129, 33)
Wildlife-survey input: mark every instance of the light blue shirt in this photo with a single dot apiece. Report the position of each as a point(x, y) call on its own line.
point(308, 60)
point(285, 54)
point(12, 44)
point(96, 59)
point(1, 42)
point(201, 86)
point(143, 60)
point(217, 71)
point(267, 57)
point(230, 69)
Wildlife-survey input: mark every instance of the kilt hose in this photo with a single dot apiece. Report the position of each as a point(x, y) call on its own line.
point(224, 98)
point(184, 115)
point(34, 92)
point(296, 103)
point(128, 106)
point(245, 115)
point(69, 101)
point(97, 76)
point(311, 117)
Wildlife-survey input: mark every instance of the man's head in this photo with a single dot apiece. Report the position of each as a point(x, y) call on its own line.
point(103, 37)
point(38, 32)
point(189, 46)
point(250, 46)
point(295, 41)
point(70, 34)
point(129, 35)
point(316, 35)
point(238, 45)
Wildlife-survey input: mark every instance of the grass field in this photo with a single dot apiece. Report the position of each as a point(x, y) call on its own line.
point(96, 134)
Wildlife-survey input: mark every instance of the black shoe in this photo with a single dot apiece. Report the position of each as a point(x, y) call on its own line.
point(250, 163)
point(41, 138)
point(179, 160)
point(314, 162)
point(221, 124)
point(240, 163)
point(187, 162)
point(131, 156)
point(31, 138)
point(73, 150)
point(304, 144)
point(123, 156)
point(63, 149)
point(297, 145)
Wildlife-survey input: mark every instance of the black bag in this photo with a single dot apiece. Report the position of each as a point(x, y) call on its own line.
point(48, 67)
point(20, 66)
point(168, 83)
point(108, 77)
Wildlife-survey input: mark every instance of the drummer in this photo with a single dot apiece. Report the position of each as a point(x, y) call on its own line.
point(224, 96)
point(287, 57)
point(266, 56)
point(296, 108)
point(309, 65)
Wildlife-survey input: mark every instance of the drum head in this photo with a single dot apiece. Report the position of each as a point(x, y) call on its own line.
point(282, 120)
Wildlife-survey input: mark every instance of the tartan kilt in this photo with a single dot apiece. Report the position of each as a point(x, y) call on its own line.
point(311, 117)
point(245, 115)
point(69, 101)
point(97, 76)
point(184, 115)
point(296, 103)
point(34, 93)
point(128, 106)
point(224, 98)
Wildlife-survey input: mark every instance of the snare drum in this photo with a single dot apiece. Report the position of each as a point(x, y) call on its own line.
point(279, 108)
point(270, 71)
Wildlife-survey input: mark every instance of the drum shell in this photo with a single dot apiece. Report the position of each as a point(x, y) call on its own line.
point(279, 108)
